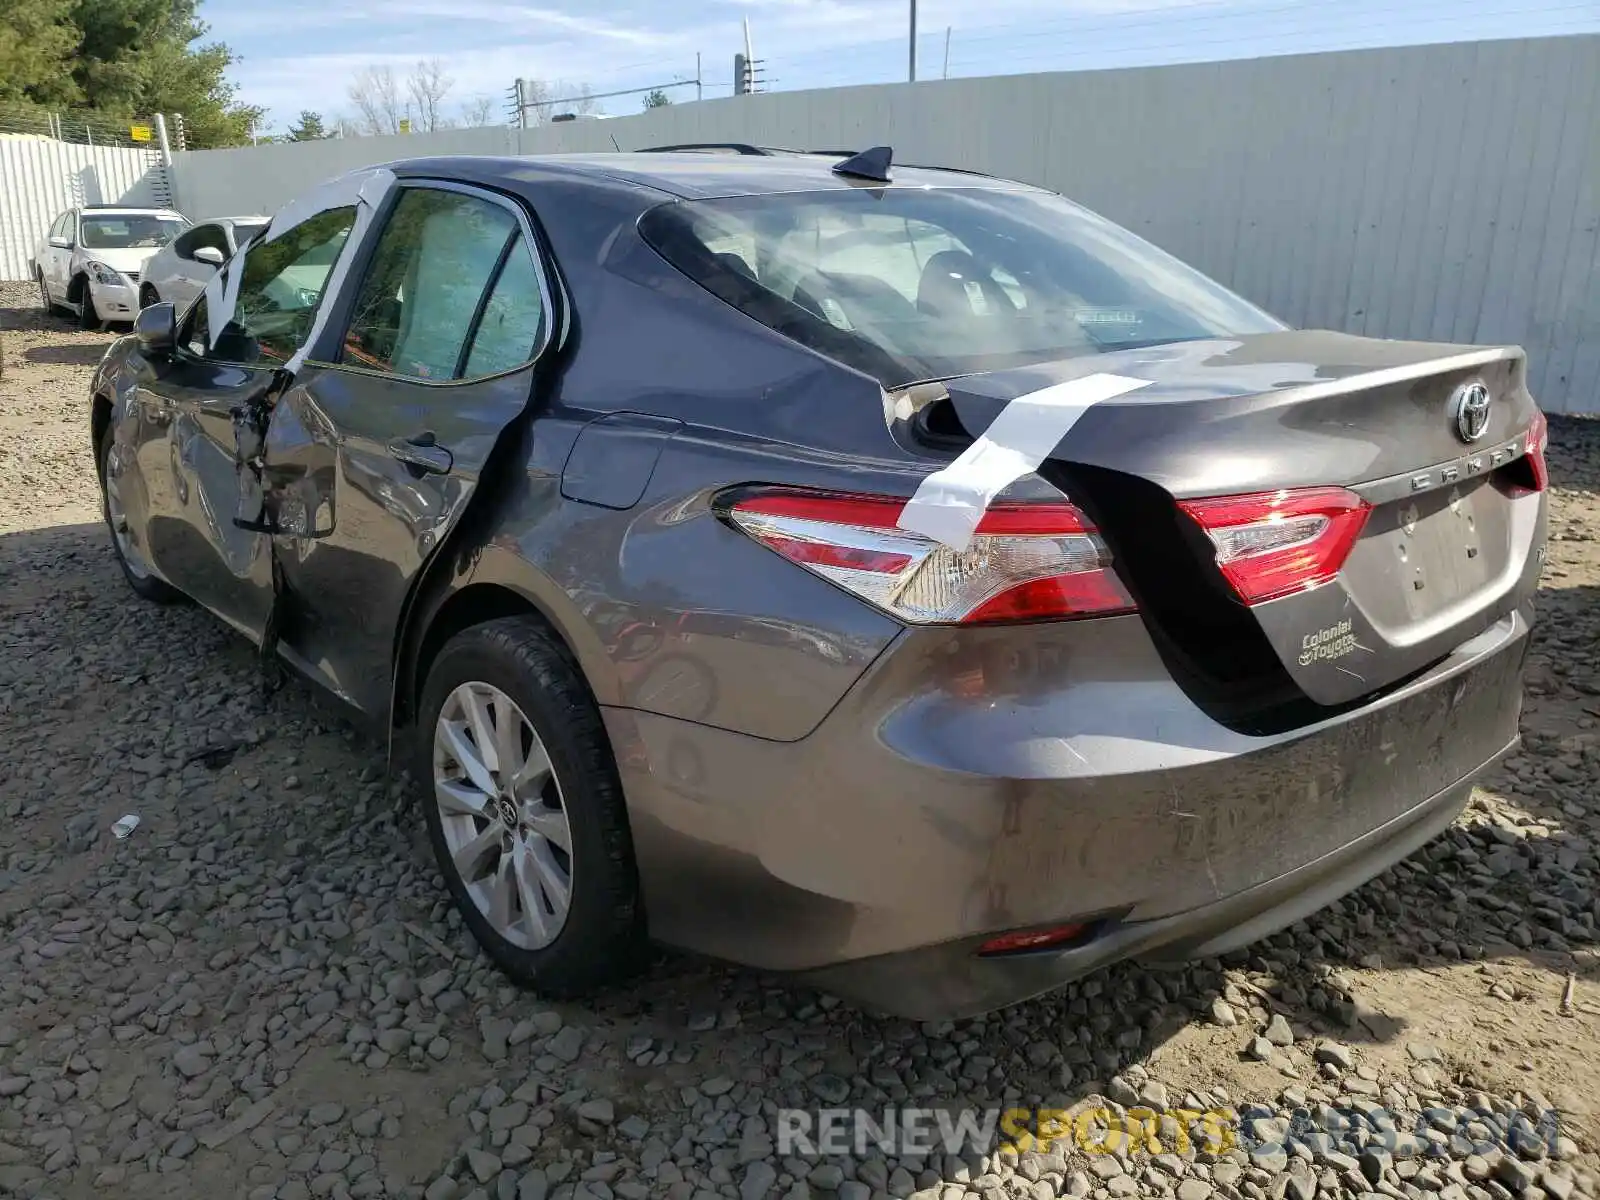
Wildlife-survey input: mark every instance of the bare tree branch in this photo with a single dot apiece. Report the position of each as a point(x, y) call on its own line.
point(534, 93)
point(376, 96)
point(427, 86)
point(577, 97)
point(541, 96)
point(479, 112)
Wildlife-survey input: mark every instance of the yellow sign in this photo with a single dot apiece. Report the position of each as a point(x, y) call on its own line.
point(140, 133)
point(405, 125)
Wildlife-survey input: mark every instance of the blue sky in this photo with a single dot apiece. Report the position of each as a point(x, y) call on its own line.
point(302, 53)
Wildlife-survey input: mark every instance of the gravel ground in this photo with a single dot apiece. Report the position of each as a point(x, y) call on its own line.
point(262, 992)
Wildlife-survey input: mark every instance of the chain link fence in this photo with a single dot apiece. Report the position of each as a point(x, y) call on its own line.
point(87, 128)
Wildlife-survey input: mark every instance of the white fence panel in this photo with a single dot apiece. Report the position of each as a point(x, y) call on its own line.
point(257, 179)
point(41, 177)
point(1434, 192)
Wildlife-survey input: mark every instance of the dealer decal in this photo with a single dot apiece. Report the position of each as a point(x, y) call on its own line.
point(1327, 644)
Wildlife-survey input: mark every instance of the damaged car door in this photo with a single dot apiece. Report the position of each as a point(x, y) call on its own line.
point(218, 369)
point(373, 453)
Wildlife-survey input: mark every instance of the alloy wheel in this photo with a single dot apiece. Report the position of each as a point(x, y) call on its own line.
point(117, 517)
point(503, 815)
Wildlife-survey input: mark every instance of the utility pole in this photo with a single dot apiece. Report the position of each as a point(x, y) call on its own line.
point(913, 46)
point(947, 52)
point(699, 77)
point(745, 66)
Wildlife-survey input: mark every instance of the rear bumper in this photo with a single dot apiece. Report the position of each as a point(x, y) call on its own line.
point(975, 782)
point(950, 980)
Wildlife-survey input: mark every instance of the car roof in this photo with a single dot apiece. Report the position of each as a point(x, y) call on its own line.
point(125, 210)
point(694, 175)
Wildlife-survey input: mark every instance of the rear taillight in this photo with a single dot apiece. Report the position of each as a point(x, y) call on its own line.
point(1274, 544)
point(1027, 562)
point(1528, 473)
point(1538, 443)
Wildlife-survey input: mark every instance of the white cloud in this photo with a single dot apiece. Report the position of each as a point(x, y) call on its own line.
point(485, 45)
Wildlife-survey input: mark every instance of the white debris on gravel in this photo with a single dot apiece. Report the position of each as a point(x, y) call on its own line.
point(266, 994)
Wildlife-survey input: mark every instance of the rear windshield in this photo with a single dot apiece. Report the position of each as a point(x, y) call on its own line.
point(126, 231)
point(919, 284)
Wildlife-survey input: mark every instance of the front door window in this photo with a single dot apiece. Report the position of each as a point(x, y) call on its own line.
point(279, 291)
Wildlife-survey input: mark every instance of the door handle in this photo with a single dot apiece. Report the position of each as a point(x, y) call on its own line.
point(423, 454)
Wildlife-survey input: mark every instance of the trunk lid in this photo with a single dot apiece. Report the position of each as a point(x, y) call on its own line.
point(1448, 546)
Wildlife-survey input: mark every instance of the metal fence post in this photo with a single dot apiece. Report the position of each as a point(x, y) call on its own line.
point(161, 138)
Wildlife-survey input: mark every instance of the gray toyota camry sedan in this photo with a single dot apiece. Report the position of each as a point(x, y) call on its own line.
point(896, 577)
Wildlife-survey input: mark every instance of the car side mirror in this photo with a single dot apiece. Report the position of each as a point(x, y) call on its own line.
point(208, 254)
point(61, 243)
point(156, 328)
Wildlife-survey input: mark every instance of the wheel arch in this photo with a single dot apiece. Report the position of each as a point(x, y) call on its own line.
point(77, 286)
point(499, 586)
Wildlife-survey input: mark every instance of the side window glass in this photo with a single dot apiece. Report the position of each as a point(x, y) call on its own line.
point(185, 245)
point(434, 260)
point(279, 291)
point(513, 320)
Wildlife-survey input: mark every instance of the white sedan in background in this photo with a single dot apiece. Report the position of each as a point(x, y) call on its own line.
point(180, 271)
point(89, 261)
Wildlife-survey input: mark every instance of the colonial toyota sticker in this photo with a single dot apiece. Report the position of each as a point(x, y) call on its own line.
point(1325, 645)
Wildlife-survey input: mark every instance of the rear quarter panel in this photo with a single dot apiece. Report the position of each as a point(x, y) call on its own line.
point(667, 608)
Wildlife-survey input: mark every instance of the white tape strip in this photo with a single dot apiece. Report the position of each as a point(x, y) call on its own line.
point(950, 503)
point(217, 313)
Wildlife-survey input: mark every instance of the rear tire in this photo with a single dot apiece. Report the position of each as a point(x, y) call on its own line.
point(51, 308)
point(134, 569)
point(500, 851)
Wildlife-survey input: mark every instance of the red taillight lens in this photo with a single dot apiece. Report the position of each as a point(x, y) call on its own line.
point(1538, 442)
point(1027, 562)
point(1032, 939)
point(1274, 544)
point(1528, 473)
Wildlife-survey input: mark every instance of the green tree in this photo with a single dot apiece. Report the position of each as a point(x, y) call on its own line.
point(140, 56)
point(37, 42)
point(657, 99)
point(309, 128)
point(122, 58)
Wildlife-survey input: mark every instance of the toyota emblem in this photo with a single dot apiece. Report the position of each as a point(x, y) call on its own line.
point(1471, 406)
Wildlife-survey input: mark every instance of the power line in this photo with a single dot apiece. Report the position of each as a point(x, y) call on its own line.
point(1256, 40)
point(1451, 8)
point(1423, 9)
point(520, 102)
point(1216, 11)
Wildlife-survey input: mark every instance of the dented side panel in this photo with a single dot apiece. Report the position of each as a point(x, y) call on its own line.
point(357, 523)
point(181, 423)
